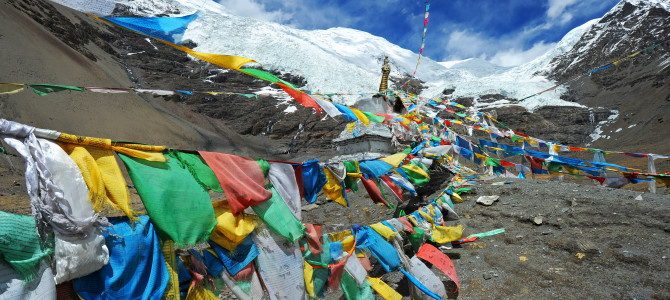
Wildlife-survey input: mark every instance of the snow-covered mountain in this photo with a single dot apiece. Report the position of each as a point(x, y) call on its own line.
point(343, 60)
point(339, 60)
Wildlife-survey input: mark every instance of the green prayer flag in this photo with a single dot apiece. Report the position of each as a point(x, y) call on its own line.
point(516, 138)
point(554, 167)
point(45, 89)
point(416, 178)
point(179, 207)
point(462, 190)
point(199, 169)
point(249, 95)
point(276, 214)
point(372, 117)
point(492, 162)
point(354, 291)
point(20, 245)
point(350, 182)
point(265, 166)
point(260, 74)
point(488, 233)
point(416, 239)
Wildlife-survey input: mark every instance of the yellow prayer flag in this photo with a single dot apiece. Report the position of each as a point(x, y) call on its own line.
point(445, 234)
point(107, 189)
point(383, 289)
point(11, 88)
point(172, 289)
point(361, 117)
point(333, 188)
point(395, 160)
point(384, 231)
point(426, 216)
point(456, 198)
point(308, 273)
point(351, 126)
point(230, 229)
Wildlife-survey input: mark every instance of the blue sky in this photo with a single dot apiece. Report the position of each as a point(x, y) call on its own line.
point(505, 32)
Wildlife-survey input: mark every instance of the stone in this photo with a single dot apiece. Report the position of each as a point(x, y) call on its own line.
point(639, 197)
point(487, 200)
point(537, 220)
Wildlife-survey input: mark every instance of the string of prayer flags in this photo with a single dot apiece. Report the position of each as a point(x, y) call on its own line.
point(423, 43)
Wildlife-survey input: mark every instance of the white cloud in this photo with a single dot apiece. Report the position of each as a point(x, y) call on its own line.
point(514, 57)
point(557, 7)
point(256, 10)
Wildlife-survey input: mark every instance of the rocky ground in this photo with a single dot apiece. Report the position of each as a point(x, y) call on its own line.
point(562, 241)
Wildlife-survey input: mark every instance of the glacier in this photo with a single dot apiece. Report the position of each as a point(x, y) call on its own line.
point(348, 61)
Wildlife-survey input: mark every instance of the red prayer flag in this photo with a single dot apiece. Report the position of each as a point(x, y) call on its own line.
point(304, 99)
point(393, 186)
point(373, 190)
point(241, 179)
point(434, 256)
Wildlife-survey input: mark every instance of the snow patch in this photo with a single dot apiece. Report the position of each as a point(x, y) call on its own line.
point(598, 131)
point(290, 109)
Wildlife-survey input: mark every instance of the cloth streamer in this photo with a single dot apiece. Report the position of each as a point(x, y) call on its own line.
point(351, 182)
point(136, 269)
point(14, 288)
point(19, 245)
point(255, 289)
point(230, 229)
point(237, 259)
point(301, 97)
point(199, 169)
point(73, 256)
point(428, 279)
point(50, 210)
point(445, 234)
point(346, 111)
point(373, 190)
point(172, 288)
point(241, 179)
point(45, 89)
point(328, 107)
point(313, 179)
point(381, 249)
point(313, 235)
point(384, 289)
point(439, 260)
point(11, 88)
point(282, 177)
point(374, 168)
point(169, 29)
point(280, 265)
point(334, 189)
point(278, 217)
point(354, 291)
point(179, 206)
